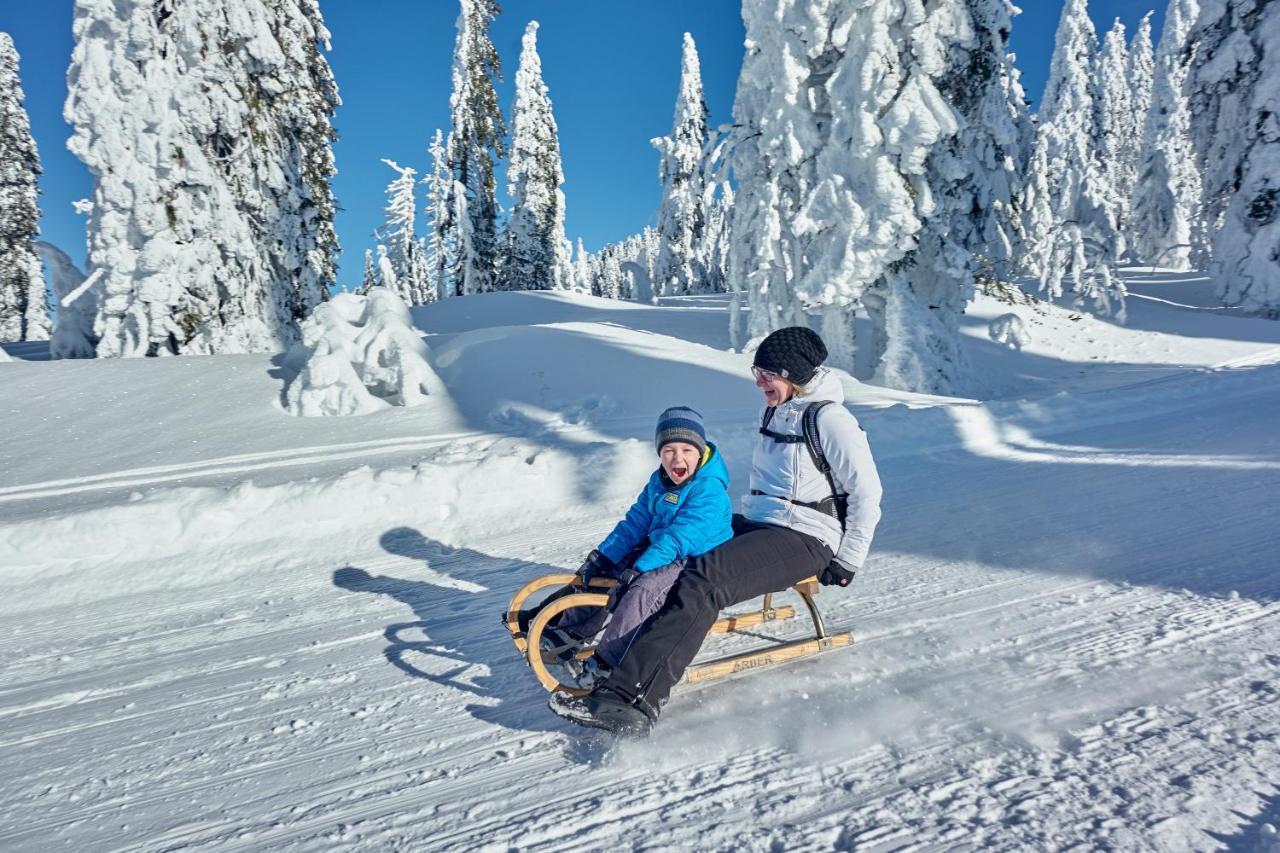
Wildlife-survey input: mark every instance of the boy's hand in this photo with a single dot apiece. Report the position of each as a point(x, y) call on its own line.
point(596, 565)
point(835, 574)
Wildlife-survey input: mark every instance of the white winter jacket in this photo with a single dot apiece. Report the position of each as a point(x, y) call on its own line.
point(785, 473)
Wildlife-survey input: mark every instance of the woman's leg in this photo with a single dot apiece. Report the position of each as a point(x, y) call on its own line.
point(642, 598)
point(761, 559)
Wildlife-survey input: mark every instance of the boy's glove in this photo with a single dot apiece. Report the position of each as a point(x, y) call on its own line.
point(835, 574)
point(596, 565)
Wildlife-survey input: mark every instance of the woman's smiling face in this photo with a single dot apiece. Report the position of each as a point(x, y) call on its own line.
point(776, 389)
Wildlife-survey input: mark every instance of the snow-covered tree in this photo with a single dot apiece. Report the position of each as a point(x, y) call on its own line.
point(208, 131)
point(582, 270)
point(970, 228)
point(682, 218)
point(475, 141)
point(1072, 240)
point(77, 300)
point(24, 308)
point(1141, 76)
point(1166, 195)
point(370, 277)
point(441, 244)
point(405, 251)
point(535, 254)
point(1236, 135)
point(877, 151)
point(1117, 122)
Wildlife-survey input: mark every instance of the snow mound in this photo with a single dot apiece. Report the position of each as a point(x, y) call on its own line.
point(1008, 329)
point(360, 354)
point(4, 356)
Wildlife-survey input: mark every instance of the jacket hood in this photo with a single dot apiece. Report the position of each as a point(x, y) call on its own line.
point(824, 385)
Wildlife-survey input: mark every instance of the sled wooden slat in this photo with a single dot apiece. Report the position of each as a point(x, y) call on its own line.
point(761, 658)
point(738, 621)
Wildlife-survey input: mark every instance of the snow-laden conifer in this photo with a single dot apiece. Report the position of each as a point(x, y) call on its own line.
point(207, 129)
point(1166, 195)
point(1117, 122)
point(970, 223)
point(1236, 132)
point(1141, 77)
point(582, 263)
point(24, 309)
point(1072, 241)
point(77, 299)
point(682, 219)
point(475, 141)
point(855, 189)
point(370, 278)
point(405, 251)
point(441, 242)
point(535, 252)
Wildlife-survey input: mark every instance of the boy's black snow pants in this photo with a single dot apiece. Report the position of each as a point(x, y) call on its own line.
point(760, 558)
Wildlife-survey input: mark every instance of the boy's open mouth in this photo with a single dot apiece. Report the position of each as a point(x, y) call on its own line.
point(679, 471)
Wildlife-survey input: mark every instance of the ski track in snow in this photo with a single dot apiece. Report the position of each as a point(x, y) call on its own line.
point(1002, 694)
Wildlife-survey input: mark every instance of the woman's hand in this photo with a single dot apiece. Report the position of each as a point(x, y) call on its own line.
point(836, 574)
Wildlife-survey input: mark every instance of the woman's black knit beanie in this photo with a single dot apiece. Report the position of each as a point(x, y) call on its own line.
point(793, 353)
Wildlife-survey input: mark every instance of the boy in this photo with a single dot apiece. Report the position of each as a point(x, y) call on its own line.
point(683, 511)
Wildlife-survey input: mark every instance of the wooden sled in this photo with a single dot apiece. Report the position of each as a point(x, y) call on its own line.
point(529, 643)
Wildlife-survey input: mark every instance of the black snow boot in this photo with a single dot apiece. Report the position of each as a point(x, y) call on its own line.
point(603, 709)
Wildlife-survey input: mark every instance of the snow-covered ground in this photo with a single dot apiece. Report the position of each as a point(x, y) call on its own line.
point(228, 627)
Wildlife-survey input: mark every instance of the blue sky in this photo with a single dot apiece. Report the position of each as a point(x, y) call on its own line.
point(612, 70)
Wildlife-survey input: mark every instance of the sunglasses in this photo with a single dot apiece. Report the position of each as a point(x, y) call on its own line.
point(766, 375)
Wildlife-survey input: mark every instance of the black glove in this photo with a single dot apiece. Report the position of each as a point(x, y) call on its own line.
point(835, 574)
point(596, 565)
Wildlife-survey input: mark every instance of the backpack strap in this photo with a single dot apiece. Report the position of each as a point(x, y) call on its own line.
point(812, 440)
point(777, 436)
point(838, 504)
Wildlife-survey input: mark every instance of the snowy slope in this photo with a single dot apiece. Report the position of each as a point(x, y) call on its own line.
point(1066, 632)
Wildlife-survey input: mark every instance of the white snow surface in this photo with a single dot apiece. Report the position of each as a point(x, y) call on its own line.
point(228, 628)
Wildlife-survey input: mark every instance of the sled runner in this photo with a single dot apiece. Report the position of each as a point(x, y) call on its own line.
point(529, 642)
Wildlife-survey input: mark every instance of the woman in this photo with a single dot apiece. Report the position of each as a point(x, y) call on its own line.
point(793, 526)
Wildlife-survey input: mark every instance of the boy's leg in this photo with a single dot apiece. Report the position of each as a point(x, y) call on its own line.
point(642, 598)
point(760, 560)
point(586, 622)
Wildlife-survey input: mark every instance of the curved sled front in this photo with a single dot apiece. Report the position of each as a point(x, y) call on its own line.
point(534, 640)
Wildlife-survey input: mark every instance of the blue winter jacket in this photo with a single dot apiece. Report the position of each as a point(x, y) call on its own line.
point(680, 521)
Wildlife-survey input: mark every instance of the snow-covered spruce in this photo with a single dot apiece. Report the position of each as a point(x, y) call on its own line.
point(535, 252)
point(369, 279)
point(1141, 74)
point(24, 307)
point(405, 253)
point(973, 228)
point(1236, 135)
point(582, 270)
point(77, 299)
point(1166, 196)
point(1117, 124)
point(1072, 240)
point(855, 189)
point(682, 218)
point(475, 141)
point(208, 134)
point(359, 354)
point(441, 243)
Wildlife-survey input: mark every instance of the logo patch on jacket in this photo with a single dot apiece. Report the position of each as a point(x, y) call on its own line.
point(671, 497)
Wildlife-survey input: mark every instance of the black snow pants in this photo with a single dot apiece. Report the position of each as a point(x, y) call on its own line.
point(760, 558)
